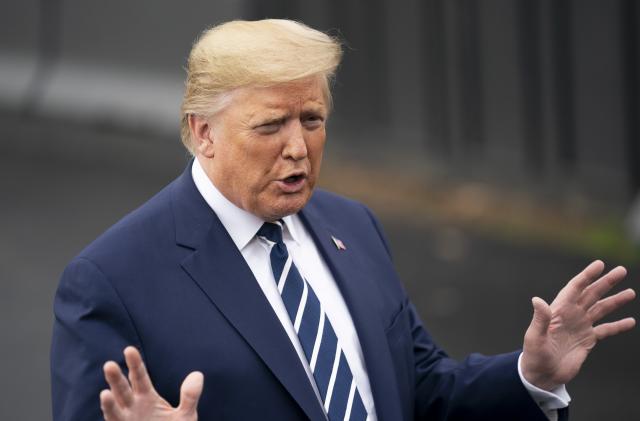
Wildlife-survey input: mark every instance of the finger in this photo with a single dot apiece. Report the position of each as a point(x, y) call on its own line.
point(584, 278)
point(120, 388)
point(110, 409)
point(541, 316)
point(609, 329)
point(190, 392)
point(138, 376)
point(610, 304)
point(596, 290)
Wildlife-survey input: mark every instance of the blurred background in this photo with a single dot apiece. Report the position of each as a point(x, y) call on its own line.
point(497, 140)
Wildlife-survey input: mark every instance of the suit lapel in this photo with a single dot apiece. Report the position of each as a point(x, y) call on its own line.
point(359, 293)
point(221, 272)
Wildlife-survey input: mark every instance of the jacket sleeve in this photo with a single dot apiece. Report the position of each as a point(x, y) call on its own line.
point(477, 388)
point(91, 326)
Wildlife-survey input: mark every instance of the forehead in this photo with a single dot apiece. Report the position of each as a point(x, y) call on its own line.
point(304, 94)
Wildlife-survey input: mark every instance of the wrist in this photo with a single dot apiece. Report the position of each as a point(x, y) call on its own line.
point(535, 377)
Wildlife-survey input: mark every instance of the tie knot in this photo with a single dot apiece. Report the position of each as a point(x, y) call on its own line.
point(272, 231)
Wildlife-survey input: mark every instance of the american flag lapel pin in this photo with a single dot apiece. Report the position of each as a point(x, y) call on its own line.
point(338, 243)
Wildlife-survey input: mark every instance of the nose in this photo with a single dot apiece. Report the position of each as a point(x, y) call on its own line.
point(295, 146)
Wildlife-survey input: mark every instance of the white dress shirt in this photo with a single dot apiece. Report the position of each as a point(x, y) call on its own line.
point(242, 226)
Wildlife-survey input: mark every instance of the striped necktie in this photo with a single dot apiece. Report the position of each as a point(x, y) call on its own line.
point(326, 359)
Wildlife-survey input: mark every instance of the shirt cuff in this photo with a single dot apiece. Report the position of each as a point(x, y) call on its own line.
point(548, 401)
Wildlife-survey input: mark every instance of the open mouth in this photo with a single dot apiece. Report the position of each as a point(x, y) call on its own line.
point(294, 183)
point(293, 179)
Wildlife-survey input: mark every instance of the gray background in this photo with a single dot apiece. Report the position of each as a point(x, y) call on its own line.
point(496, 139)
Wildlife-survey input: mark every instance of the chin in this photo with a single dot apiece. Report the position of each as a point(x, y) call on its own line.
point(290, 206)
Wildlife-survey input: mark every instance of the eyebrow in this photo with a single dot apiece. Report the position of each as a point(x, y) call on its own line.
point(314, 108)
point(276, 113)
point(269, 117)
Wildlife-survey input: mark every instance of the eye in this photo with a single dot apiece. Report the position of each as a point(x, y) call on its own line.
point(269, 127)
point(312, 121)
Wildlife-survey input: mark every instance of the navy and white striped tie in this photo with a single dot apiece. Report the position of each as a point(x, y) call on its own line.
point(330, 369)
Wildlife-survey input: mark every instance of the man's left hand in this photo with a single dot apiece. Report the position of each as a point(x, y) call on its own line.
point(562, 334)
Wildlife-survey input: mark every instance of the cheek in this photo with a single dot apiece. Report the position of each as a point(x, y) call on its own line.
point(258, 171)
point(315, 154)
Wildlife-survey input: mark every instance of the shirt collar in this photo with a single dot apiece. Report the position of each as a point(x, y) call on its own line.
point(241, 225)
point(291, 227)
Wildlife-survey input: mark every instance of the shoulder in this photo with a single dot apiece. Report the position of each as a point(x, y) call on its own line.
point(139, 232)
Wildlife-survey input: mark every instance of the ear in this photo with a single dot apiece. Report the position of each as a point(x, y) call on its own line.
point(201, 135)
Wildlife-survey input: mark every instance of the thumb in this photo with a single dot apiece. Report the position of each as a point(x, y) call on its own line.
point(541, 316)
point(190, 392)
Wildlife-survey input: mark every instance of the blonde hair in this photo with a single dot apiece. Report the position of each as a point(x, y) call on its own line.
point(252, 53)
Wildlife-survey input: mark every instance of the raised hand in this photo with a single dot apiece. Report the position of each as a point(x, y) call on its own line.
point(137, 400)
point(562, 334)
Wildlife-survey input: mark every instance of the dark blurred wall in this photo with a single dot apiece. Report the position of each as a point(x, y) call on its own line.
point(542, 94)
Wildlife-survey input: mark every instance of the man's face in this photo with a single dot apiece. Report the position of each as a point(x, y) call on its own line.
point(267, 147)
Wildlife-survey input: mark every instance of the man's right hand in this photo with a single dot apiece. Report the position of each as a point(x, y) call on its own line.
point(137, 400)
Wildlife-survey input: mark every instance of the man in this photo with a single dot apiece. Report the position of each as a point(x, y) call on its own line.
point(281, 301)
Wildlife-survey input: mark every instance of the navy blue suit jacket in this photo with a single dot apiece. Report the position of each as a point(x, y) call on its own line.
point(169, 280)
